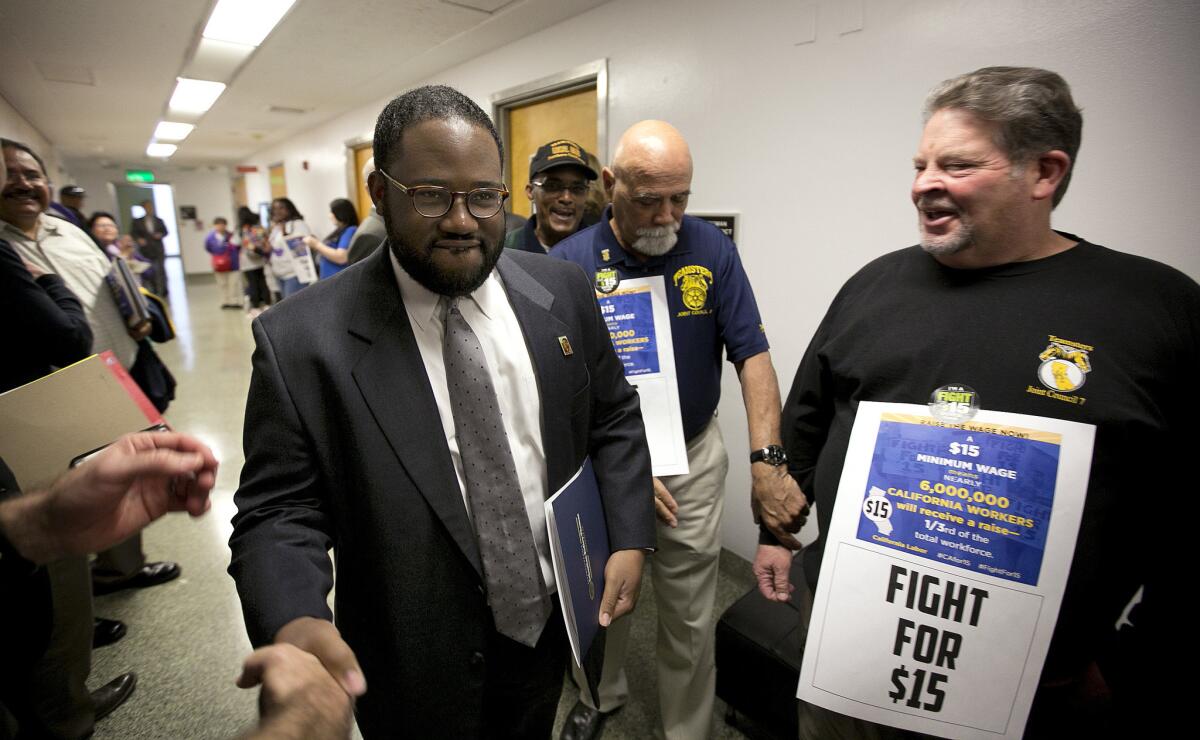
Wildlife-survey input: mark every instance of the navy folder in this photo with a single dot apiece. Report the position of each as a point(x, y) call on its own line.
point(579, 549)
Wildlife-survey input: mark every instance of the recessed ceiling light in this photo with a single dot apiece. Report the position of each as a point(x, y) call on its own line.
point(245, 21)
point(160, 150)
point(194, 96)
point(171, 131)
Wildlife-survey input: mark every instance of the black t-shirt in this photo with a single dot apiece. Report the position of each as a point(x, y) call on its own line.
point(906, 325)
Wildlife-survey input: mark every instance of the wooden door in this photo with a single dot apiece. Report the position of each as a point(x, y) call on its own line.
point(278, 183)
point(240, 198)
point(569, 116)
point(362, 199)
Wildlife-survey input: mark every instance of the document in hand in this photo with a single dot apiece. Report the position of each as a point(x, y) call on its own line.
point(129, 298)
point(579, 549)
point(46, 424)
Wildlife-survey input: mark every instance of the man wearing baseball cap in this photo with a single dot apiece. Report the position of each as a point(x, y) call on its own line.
point(69, 206)
point(558, 186)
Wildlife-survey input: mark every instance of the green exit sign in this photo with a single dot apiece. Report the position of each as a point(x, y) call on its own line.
point(139, 176)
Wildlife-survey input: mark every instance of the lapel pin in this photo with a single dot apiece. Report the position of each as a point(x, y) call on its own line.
point(604, 255)
point(566, 346)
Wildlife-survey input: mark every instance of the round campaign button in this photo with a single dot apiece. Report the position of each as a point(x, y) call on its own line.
point(954, 403)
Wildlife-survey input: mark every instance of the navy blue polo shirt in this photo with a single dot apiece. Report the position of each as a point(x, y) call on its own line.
point(709, 297)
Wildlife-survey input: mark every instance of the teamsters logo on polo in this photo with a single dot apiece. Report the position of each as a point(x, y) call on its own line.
point(1064, 369)
point(693, 282)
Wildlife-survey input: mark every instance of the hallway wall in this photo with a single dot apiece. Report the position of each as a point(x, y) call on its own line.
point(14, 126)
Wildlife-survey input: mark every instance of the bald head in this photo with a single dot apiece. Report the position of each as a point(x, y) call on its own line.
point(649, 184)
point(652, 149)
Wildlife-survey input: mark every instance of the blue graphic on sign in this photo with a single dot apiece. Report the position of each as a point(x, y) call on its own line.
point(630, 321)
point(976, 500)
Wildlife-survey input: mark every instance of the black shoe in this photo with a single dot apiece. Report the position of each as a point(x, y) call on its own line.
point(112, 694)
point(106, 631)
point(584, 723)
point(151, 574)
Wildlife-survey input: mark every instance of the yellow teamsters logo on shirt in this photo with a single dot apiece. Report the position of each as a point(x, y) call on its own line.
point(693, 282)
point(1064, 367)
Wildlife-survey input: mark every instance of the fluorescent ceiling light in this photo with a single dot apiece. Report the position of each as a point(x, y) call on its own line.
point(171, 131)
point(194, 96)
point(160, 150)
point(245, 21)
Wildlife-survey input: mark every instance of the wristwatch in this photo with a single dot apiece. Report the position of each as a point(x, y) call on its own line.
point(771, 455)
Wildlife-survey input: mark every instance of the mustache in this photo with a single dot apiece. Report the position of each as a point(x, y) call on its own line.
point(936, 204)
point(660, 231)
point(21, 192)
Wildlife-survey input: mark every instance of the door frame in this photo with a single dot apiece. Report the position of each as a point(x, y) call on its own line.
point(576, 78)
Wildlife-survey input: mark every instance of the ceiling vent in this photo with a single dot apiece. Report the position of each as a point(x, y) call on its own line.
point(286, 110)
point(74, 74)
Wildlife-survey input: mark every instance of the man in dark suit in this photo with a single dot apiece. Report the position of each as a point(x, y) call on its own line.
point(148, 232)
point(374, 395)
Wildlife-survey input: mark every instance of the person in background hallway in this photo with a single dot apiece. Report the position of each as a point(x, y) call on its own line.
point(287, 232)
point(103, 501)
point(223, 247)
point(711, 306)
point(105, 232)
point(334, 250)
point(70, 205)
point(148, 231)
point(255, 251)
point(428, 402)
point(558, 186)
point(994, 159)
point(370, 233)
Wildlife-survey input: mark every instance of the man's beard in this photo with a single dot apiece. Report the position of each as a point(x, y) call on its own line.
point(655, 241)
point(418, 262)
point(949, 243)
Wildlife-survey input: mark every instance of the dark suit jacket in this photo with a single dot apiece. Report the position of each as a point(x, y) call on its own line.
point(345, 450)
point(153, 247)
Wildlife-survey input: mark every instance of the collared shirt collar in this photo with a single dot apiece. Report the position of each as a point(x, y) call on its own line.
point(618, 254)
point(45, 223)
point(422, 303)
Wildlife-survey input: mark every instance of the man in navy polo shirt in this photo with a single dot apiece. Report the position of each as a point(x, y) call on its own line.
point(644, 233)
point(558, 187)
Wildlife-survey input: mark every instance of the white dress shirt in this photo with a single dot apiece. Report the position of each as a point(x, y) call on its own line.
point(491, 317)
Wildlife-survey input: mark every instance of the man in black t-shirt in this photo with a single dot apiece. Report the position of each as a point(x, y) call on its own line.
point(988, 298)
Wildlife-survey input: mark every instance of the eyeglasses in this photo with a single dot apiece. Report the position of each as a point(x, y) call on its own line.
point(556, 187)
point(435, 201)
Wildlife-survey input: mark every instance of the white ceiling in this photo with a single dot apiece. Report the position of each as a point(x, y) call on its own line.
point(94, 76)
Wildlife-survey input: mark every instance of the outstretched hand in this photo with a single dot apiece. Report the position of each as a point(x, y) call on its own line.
point(323, 640)
point(112, 496)
point(299, 699)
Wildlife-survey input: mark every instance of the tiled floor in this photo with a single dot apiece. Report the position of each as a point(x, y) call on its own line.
point(186, 639)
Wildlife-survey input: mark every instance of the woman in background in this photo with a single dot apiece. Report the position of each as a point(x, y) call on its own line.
point(255, 252)
point(107, 235)
point(334, 250)
point(224, 250)
point(288, 249)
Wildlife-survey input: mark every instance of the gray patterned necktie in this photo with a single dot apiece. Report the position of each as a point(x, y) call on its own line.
point(511, 569)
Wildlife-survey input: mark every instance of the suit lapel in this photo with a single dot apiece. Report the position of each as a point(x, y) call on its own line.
point(531, 303)
point(392, 379)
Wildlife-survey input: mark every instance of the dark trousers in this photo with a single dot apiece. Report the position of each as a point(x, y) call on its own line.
point(157, 277)
point(521, 690)
point(49, 697)
point(119, 562)
point(256, 288)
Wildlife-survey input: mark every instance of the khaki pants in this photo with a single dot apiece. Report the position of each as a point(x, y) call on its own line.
point(229, 288)
point(683, 572)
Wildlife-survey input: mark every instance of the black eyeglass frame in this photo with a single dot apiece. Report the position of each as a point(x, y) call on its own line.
point(412, 192)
